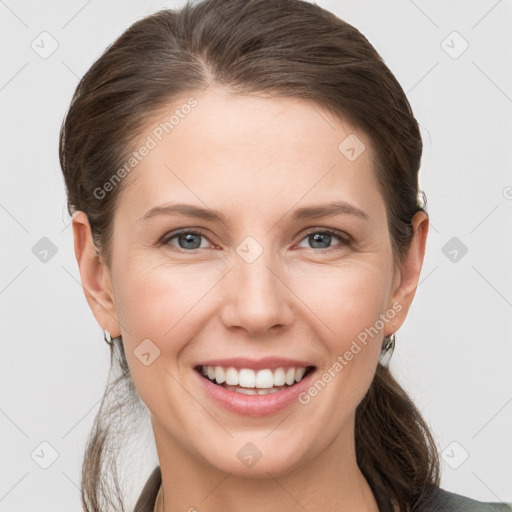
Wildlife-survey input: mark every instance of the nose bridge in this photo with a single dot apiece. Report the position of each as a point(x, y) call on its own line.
point(257, 298)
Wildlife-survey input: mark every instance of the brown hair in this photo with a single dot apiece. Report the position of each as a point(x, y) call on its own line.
point(287, 48)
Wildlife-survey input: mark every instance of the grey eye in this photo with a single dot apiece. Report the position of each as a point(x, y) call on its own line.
point(322, 239)
point(187, 240)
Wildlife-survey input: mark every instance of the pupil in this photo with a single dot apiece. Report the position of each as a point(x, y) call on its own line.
point(189, 241)
point(322, 238)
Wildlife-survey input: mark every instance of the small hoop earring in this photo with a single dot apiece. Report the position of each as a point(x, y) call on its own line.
point(388, 347)
point(108, 337)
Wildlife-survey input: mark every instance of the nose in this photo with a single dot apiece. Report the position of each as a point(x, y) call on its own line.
point(257, 298)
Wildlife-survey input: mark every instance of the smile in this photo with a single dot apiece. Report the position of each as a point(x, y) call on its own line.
point(254, 382)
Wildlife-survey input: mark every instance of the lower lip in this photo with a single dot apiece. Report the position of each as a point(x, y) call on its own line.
point(254, 405)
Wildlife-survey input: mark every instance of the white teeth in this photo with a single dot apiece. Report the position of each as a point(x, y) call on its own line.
point(298, 374)
point(246, 391)
point(246, 378)
point(279, 377)
point(264, 380)
point(290, 376)
point(231, 377)
point(220, 374)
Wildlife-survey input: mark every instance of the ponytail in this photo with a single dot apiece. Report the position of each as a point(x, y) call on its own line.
point(394, 447)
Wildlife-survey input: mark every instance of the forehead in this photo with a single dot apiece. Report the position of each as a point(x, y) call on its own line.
point(247, 150)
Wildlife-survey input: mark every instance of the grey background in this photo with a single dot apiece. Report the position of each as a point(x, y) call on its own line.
point(453, 354)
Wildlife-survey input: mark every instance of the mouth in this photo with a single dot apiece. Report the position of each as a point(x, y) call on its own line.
point(249, 381)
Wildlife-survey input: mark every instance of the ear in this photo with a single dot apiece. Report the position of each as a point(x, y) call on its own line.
point(407, 276)
point(95, 276)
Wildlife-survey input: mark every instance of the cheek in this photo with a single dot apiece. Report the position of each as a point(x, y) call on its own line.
point(160, 309)
point(164, 303)
point(347, 303)
point(346, 299)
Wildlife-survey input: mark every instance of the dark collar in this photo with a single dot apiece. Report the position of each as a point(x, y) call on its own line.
point(436, 500)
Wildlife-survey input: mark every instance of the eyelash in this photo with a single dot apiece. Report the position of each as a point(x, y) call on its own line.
point(345, 239)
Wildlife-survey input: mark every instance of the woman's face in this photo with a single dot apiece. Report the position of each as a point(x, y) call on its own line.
point(253, 282)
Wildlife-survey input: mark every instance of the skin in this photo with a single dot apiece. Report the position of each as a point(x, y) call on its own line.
point(255, 159)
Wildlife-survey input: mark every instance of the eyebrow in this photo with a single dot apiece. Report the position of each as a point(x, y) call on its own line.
point(307, 212)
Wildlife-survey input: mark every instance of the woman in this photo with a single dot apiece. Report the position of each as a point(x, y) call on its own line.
point(243, 179)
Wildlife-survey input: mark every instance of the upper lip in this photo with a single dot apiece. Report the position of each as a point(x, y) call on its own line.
point(256, 364)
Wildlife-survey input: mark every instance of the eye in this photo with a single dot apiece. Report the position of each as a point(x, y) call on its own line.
point(189, 240)
point(321, 239)
point(186, 239)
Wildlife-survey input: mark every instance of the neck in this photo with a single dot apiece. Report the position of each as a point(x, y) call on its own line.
point(330, 482)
